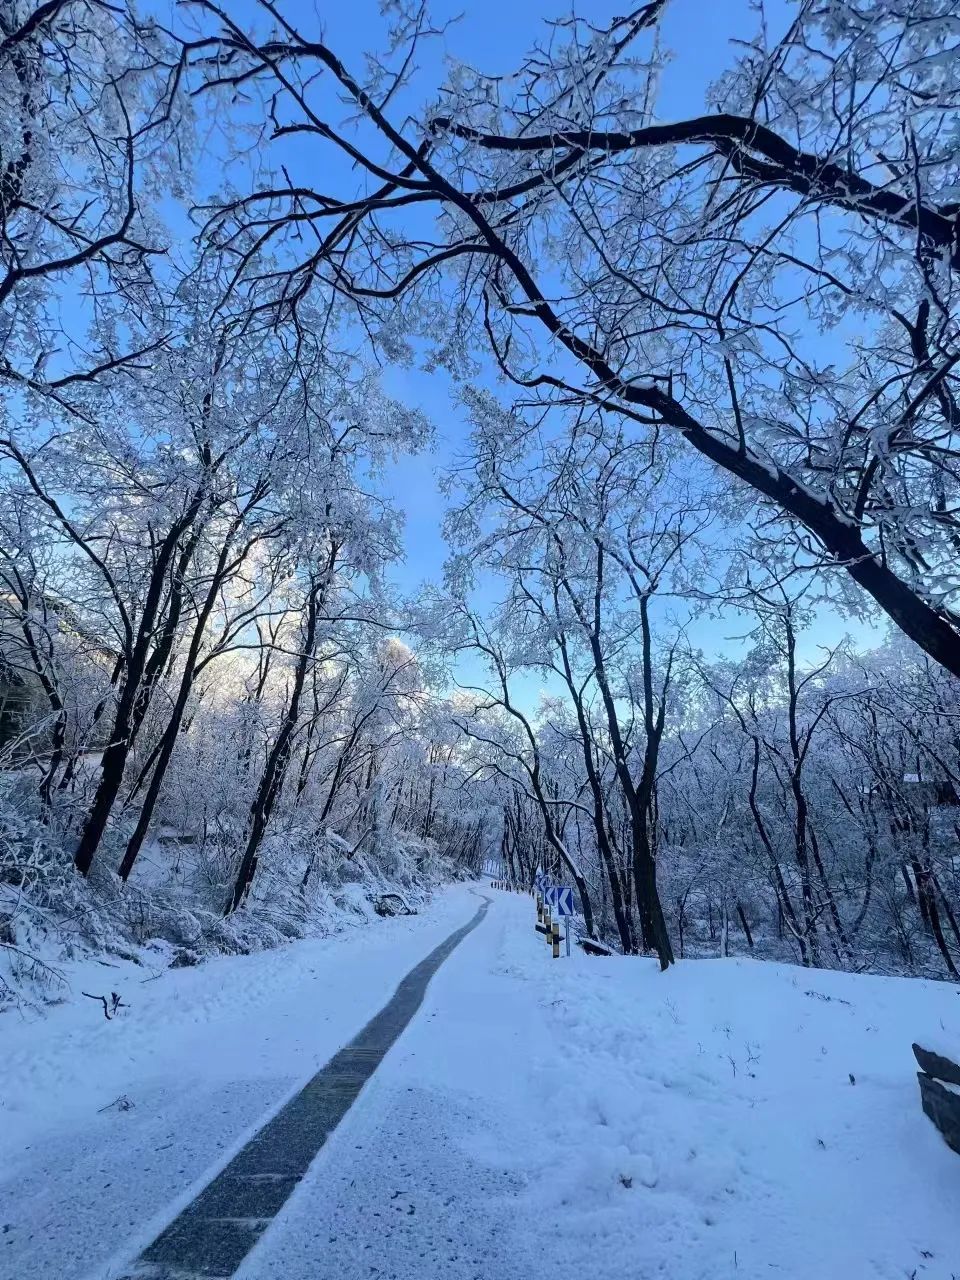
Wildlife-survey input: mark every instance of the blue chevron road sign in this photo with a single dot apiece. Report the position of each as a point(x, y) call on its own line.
point(561, 899)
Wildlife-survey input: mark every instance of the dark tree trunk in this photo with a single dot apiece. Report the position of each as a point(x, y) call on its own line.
point(741, 915)
point(278, 757)
point(653, 926)
point(168, 741)
point(620, 912)
point(129, 704)
point(947, 908)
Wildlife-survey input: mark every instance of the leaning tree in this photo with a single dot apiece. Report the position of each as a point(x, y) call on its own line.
point(769, 276)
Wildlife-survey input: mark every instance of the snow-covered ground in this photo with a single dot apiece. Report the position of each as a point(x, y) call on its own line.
point(589, 1117)
point(203, 1055)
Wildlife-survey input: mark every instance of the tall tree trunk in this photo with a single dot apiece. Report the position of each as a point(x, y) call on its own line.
point(271, 780)
point(168, 740)
point(129, 703)
point(620, 913)
point(741, 916)
point(652, 922)
point(834, 911)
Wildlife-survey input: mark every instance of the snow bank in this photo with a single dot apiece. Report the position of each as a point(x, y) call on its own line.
point(737, 1118)
point(171, 910)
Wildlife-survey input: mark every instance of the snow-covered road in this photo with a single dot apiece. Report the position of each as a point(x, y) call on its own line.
point(591, 1117)
point(203, 1055)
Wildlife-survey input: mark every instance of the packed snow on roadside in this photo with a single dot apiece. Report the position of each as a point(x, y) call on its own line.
point(734, 1118)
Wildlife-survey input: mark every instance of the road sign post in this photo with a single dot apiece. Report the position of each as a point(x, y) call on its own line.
point(561, 899)
point(550, 899)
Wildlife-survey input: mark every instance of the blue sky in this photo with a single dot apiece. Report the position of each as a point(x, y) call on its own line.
point(494, 37)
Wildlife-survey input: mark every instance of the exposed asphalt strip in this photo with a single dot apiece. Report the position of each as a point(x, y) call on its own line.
point(213, 1235)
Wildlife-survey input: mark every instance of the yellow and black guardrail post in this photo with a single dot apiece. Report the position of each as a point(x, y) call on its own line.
point(555, 939)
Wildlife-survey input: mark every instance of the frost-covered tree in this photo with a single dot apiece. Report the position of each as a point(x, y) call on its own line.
point(710, 367)
point(93, 131)
point(770, 279)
